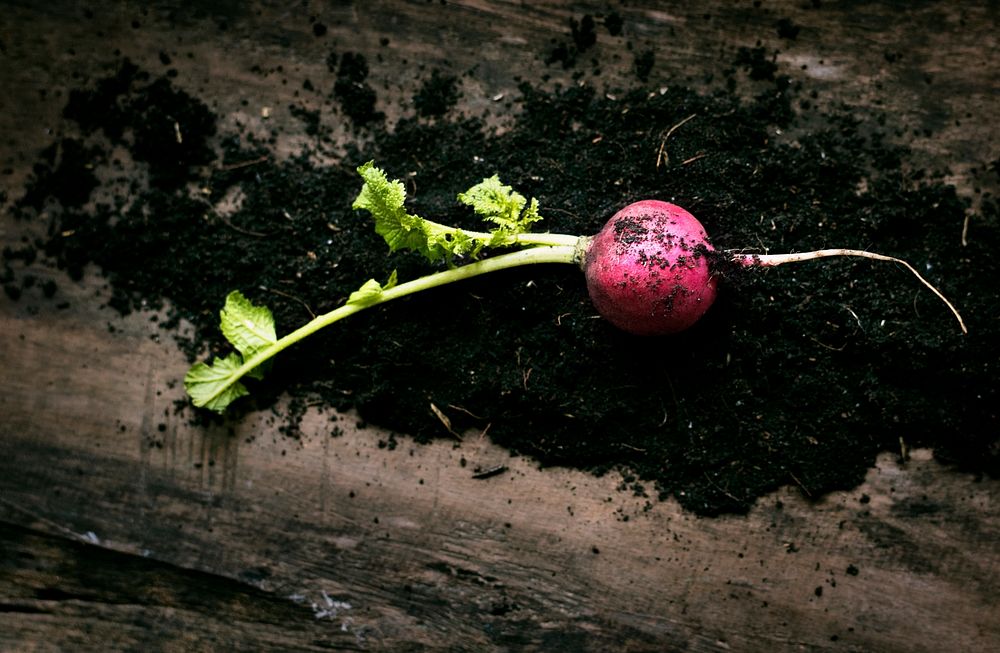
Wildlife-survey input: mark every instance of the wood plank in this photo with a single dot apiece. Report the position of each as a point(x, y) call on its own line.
point(124, 526)
point(61, 594)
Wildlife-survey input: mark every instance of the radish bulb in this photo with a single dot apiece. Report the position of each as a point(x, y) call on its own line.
point(647, 270)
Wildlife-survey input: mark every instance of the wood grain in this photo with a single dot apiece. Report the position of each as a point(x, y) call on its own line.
point(125, 527)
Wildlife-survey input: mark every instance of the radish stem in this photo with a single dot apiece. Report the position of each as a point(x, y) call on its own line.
point(771, 260)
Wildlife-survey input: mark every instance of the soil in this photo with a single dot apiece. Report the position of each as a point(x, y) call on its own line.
point(797, 375)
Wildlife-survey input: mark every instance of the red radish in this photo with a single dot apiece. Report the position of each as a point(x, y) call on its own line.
point(648, 271)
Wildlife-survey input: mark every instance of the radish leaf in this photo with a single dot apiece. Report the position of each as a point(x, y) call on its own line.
point(384, 200)
point(492, 200)
point(212, 386)
point(248, 327)
point(371, 291)
point(503, 206)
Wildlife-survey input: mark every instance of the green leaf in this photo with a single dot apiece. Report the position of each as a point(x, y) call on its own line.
point(212, 386)
point(494, 201)
point(384, 200)
point(509, 211)
point(248, 327)
point(371, 292)
point(379, 195)
point(530, 214)
point(503, 206)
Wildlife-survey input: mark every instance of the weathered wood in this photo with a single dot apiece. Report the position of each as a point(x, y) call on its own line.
point(61, 594)
point(122, 526)
point(423, 552)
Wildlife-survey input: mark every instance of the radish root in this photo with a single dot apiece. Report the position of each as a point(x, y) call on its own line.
point(771, 260)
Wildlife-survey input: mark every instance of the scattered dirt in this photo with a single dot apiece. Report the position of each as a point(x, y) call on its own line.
point(798, 375)
point(437, 95)
point(357, 98)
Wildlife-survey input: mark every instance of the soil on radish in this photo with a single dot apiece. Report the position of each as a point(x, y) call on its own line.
point(798, 375)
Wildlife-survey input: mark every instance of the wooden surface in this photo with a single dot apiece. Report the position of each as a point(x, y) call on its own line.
point(122, 527)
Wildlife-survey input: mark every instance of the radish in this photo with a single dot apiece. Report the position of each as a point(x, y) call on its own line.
point(649, 271)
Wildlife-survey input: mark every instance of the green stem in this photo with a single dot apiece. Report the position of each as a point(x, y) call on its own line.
point(554, 240)
point(570, 251)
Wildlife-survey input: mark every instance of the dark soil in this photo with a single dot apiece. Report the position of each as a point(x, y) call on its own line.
point(437, 95)
point(798, 375)
point(356, 97)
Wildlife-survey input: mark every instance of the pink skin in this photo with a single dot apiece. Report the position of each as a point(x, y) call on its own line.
point(646, 270)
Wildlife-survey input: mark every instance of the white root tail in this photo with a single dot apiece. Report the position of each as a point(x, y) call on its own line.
point(771, 260)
